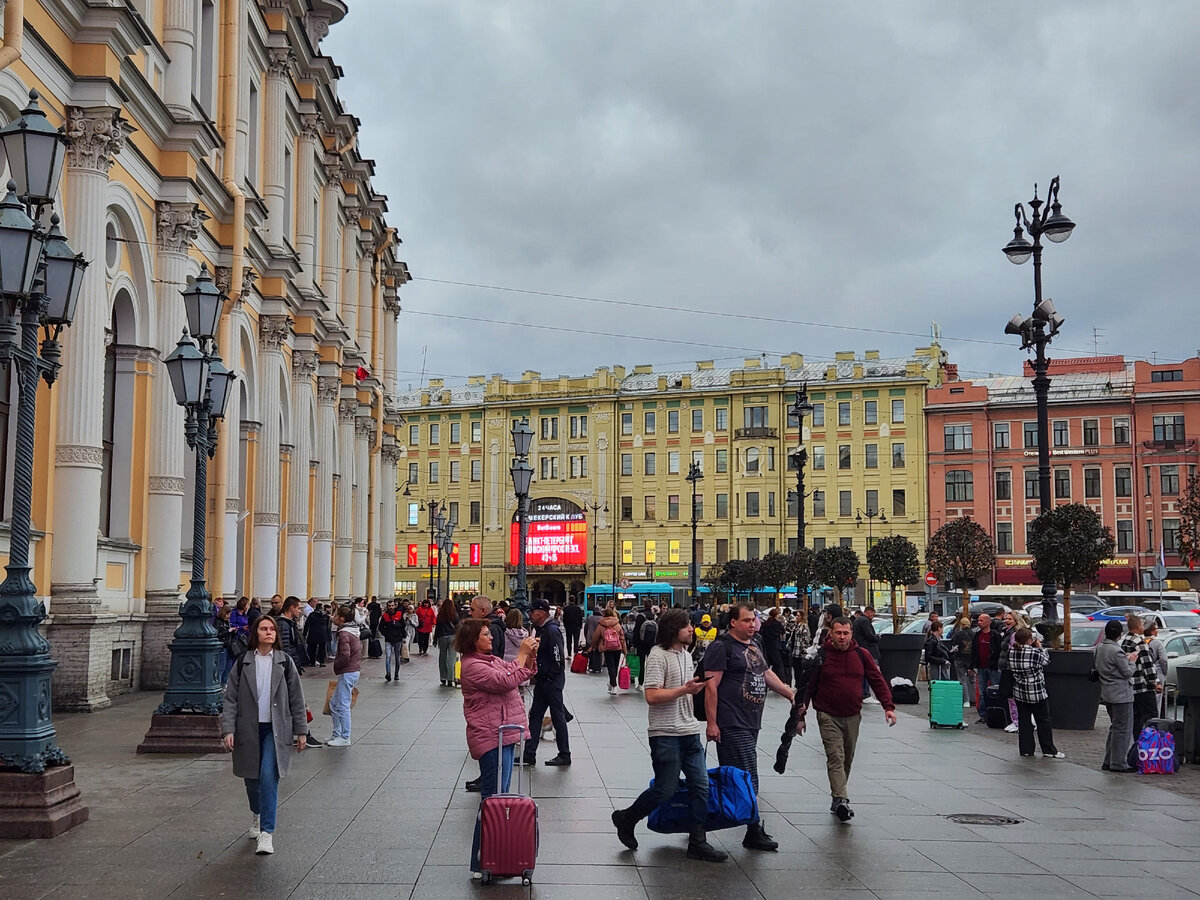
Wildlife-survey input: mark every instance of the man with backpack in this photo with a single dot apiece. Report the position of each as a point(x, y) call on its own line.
point(832, 684)
point(643, 642)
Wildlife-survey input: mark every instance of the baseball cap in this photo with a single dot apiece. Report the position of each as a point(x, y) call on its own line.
point(541, 603)
point(706, 620)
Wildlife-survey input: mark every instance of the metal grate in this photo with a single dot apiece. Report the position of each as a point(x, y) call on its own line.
point(980, 819)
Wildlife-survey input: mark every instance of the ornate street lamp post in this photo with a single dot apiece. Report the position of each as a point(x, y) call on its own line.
point(433, 527)
point(595, 508)
point(1036, 332)
point(187, 719)
point(40, 280)
point(694, 474)
point(521, 473)
point(799, 458)
point(872, 515)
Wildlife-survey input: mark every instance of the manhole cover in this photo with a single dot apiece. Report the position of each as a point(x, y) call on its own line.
point(979, 819)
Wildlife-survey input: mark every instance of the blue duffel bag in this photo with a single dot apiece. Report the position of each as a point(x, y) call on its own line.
point(731, 802)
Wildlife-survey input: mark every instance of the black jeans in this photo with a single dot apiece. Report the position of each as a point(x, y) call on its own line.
point(1040, 712)
point(572, 642)
point(547, 696)
point(612, 661)
point(316, 651)
point(1145, 708)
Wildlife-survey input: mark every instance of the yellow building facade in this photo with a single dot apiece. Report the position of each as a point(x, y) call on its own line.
point(611, 452)
point(204, 132)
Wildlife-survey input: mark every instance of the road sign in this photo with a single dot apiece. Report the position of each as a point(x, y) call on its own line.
point(624, 583)
point(931, 579)
point(1158, 573)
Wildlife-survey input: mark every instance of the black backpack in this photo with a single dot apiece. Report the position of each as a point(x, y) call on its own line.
point(698, 699)
point(647, 635)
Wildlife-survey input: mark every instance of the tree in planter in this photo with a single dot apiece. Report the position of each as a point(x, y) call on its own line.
point(714, 580)
point(773, 572)
point(799, 571)
point(836, 567)
point(962, 552)
point(1068, 544)
point(894, 559)
point(1189, 522)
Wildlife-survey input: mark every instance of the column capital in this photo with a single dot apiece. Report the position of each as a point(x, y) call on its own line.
point(391, 454)
point(347, 411)
point(304, 365)
point(279, 61)
point(329, 388)
point(178, 226)
point(96, 134)
point(364, 427)
point(391, 301)
point(335, 171)
point(273, 331)
point(311, 126)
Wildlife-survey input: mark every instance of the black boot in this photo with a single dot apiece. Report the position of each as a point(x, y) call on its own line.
point(625, 833)
point(563, 759)
point(699, 847)
point(757, 838)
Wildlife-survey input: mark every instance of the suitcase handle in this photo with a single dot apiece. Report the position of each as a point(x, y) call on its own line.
point(519, 748)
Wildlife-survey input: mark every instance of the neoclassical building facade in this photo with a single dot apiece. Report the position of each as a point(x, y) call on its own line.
point(204, 132)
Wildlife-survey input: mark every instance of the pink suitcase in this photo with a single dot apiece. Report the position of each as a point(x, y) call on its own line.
point(623, 677)
point(508, 829)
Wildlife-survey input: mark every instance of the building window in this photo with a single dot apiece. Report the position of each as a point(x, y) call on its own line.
point(752, 504)
point(770, 459)
point(699, 509)
point(1029, 435)
point(899, 503)
point(1091, 483)
point(477, 470)
point(1123, 481)
point(722, 418)
point(649, 503)
point(1168, 428)
point(579, 466)
point(818, 498)
point(818, 544)
point(818, 415)
point(452, 512)
point(897, 412)
point(755, 417)
point(960, 486)
point(476, 432)
point(414, 470)
point(1124, 536)
point(1031, 484)
point(1168, 480)
point(455, 471)
point(1004, 542)
point(433, 473)
point(871, 456)
point(549, 428)
point(414, 512)
point(1004, 485)
point(626, 509)
point(722, 460)
point(771, 504)
point(848, 543)
point(843, 456)
point(648, 465)
point(752, 459)
point(752, 548)
point(673, 462)
point(818, 457)
point(1062, 484)
point(845, 503)
point(414, 435)
point(626, 423)
point(672, 421)
point(1121, 430)
point(648, 423)
point(1170, 541)
point(697, 420)
point(1001, 438)
point(897, 456)
point(1062, 436)
point(672, 507)
point(722, 506)
point(1149, 534)
point(435, 434)
point(549, 467)
point(627, 464)
point(1091, 432)
point(578, 426)
point(1167, 375)
point(698, 458)
point(476, 512)
point(455, 433)
point(651, 552)
point(871, 412)
point(957, 437)
point(722, 551)
point(843, 413)
point(872, 502)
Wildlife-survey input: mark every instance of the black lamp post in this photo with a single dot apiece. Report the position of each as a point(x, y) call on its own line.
point(799, 457)
point(522, 474)
point(432, 505)
point(445, 541)
point(595, 508)
point(40, 280)
point(1036, 332)
point(872, 515)
point(694, 474)
point(202, 386)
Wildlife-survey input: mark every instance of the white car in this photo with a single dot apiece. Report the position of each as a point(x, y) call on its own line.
point(1183, 649)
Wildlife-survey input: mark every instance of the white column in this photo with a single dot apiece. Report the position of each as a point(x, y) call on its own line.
point(272, 331)
point(386, 571)
point(366, 301)
point(322, 538)
point(304, 369)
point(343, 555)
point(350, 264)
point(390, 338)
point(279, 64)
point(178, 227)
point(364, 430)
point(179, 42)
point(306, 219)
point(331, 232)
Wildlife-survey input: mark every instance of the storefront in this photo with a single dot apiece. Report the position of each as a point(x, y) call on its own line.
point(1114, 573)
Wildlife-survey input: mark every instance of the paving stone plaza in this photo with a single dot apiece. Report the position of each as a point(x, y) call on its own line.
point(388, 816)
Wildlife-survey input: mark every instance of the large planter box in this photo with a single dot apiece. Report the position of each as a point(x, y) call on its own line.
point(1074, 700)
point(900, 655)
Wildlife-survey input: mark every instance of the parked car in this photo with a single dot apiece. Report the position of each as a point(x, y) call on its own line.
point(1169, 604)
point(1183, 649)
point(1118, 613)
point(1179, 620)
point(1086, 634)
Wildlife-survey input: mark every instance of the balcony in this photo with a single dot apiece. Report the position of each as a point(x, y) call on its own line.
point(758, 431)
point(1185, 445)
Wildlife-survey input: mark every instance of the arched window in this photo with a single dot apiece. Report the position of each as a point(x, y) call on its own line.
point(120, 358)
point(752, 459)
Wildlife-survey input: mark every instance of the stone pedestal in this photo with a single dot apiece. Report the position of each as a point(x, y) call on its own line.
point(183, 733)
point(42, 805)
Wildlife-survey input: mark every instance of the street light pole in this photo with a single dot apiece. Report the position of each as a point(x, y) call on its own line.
point(799, 458)
point(1037, 331)
point(872, 515)
point(521, 473)
point(432, 506)
point(595, 508)
point(694, 475)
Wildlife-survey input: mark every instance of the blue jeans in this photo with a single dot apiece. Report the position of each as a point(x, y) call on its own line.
point(487, 787)
point(227, 661)
point(339, 704)
point(983, 678)
point(263, 791)
point(670, 756)
point(392, 655)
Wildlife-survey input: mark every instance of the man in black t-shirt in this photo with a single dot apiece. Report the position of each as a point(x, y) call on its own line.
point(734, 697)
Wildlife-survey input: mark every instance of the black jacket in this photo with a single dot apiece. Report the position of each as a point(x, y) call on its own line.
point(289, 640)
point(496, 627)
point(866, 636)
point(550, 667)
point(993, 651)
point(572, 618)
point(316, 626)
point(936, 653)
point(374, 614)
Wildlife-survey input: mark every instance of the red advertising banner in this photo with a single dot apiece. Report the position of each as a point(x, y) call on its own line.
point(433, 555)
point(551, 544)
point(454, 555)
point(476, 554)
point(412, 554)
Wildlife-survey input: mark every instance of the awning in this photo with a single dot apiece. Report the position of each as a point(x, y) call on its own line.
point(1020, 572)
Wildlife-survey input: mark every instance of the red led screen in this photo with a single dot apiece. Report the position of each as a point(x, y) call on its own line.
point(551, 543)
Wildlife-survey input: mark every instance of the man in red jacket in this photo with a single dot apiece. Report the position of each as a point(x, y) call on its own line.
point(835, 690)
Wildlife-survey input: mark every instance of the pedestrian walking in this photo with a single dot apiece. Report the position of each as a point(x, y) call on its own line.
point(316, 635)
point(867, 637)
point(346, 665)
point(548, 684)
point(1115, 669)
point(262, 719)
point(832, 686)
point(1013, 620)
point(771, 634)
point(1026, 659)
point(491, 699)
point(796, 643)
point(590, 624)
point(426, 621)
point(736, 693)
point(609, 639)
point(572, 623)
point(675, 745)
point(937, 657)
point(393, 630)
point(443, 637)
point(224, 635)
point(645, 638)
point(1146, 686)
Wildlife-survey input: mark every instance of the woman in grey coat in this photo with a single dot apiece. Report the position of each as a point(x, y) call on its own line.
point(263, 717)
point(1115, 669)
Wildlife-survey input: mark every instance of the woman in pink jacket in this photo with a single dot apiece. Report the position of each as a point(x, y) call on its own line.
point(491, 699)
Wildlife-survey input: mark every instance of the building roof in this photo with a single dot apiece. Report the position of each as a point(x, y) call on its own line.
point(1064, 388)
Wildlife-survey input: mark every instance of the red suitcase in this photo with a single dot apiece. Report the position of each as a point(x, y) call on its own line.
point(508, 829)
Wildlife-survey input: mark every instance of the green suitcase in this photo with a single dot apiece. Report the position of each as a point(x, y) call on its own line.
point(945, 704)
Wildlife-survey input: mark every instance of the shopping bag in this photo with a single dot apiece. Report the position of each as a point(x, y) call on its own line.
point(329, 689)
point(458, 670)
point(635, 666)
point(623, 681)
point(731, 802)
point(1156, 752)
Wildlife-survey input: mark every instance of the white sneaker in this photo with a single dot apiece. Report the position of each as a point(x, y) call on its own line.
point(1058, 755)
point(1011, 727)
point(338, 742)
point(265, 845)
point(255, 831)
point(612, 690)
point(871, 700)
point(966, 705)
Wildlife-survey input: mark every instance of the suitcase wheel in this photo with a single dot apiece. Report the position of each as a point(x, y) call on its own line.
point(527, 878)
point(485, 877)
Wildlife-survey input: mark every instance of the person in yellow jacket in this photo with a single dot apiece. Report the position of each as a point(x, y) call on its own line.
point(706, 633)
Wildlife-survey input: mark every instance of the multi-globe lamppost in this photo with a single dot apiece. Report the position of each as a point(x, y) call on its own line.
point(186, 720)
point(872, 515)
point(694, 475)
point(1036, 331)
point(40, 281)
point(433, 506)
point(522, 474)
point(595, 507)
point(799, 458)
point(445, 543)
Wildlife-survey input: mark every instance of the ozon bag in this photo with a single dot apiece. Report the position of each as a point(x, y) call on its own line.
point(1156, 752)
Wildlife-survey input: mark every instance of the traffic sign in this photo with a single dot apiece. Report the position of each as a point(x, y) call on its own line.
point(624, 583)
point(931, 579)
point(1158, 573)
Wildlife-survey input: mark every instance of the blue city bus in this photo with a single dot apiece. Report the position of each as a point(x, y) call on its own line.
point(637, 595)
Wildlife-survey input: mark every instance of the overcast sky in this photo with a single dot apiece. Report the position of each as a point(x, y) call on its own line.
point(845, 172)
